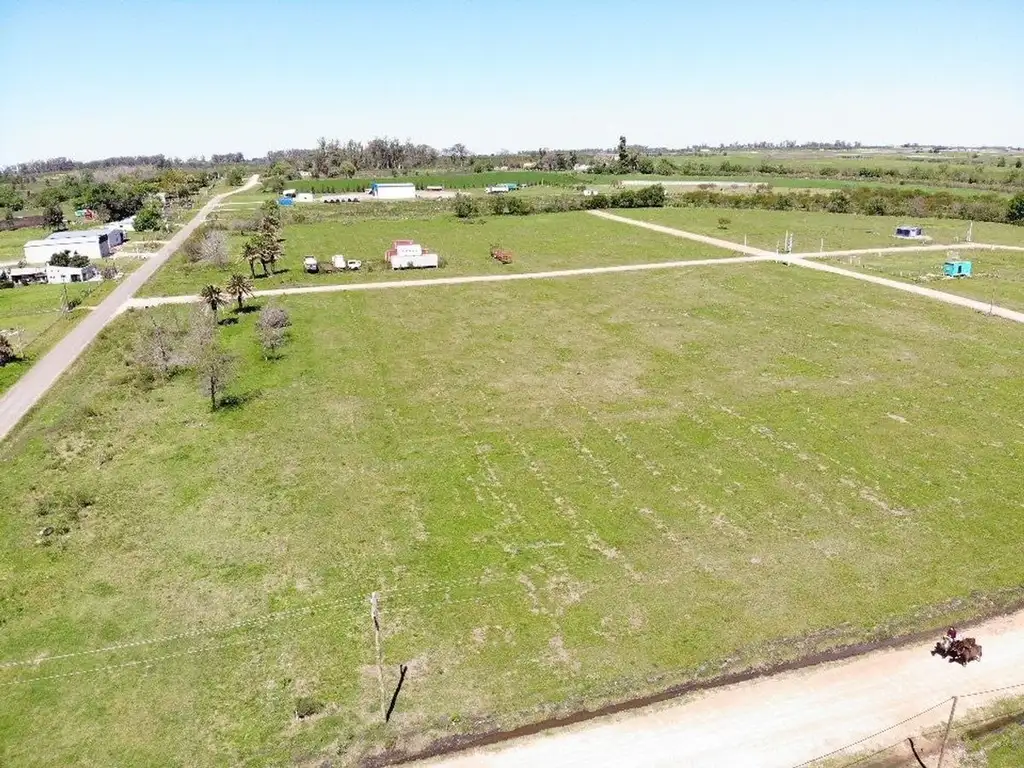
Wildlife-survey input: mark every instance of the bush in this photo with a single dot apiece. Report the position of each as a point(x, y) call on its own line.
point(307, 706)
point(1015, 210)
point(838, 202)
point(62, 259)
point(519, 206)
point(235, 177)
point(148, 219)
point(498, 204)
point(465, 207)
point(723, 222)
point(7, 353)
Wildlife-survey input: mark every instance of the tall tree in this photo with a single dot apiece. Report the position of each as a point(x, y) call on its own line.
point(239, 287)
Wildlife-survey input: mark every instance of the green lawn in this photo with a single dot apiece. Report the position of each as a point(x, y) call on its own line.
point(12, 242)
point(998, 276)
point(539, 242)
point(566, 491)
point(764, 229)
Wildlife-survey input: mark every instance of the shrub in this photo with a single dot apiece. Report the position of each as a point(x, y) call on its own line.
point(235, 177)
point(307, 706)
point(148, 219)
point(7, 353)
point(519, 206)
point(1015, 209)
point(498, 204)
point(723, 222)
point(464, 206)
point(838, 202)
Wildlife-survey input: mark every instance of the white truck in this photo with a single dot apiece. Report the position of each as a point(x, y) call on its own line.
point(310, 264)
point(340, 262)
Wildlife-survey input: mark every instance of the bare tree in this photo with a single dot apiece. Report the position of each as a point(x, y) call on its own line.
point(214, 367)
point(158, 347)
point(214, 248)
point(270, 329)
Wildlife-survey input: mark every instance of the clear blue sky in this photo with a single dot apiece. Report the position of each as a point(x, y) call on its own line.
point(99, 78)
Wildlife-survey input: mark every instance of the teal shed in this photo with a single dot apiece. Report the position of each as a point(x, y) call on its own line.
point(957, 268)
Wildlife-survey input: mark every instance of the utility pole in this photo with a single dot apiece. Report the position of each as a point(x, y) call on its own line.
point(375, 617)
point(949, 724)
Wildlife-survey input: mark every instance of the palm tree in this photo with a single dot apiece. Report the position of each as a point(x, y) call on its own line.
point(213, 298)
point(239, 286)
point(251, 254)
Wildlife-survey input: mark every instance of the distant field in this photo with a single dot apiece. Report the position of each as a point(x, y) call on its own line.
point(539, 242)
point(566, 492)
point(998, 275)
point(448, 180)
point(765, 229)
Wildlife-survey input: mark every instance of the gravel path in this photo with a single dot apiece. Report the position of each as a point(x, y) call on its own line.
point(27, 391)
point(801, 260)
point(158, 300)
point(784, 720)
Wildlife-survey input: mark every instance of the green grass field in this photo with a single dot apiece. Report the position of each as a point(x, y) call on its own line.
point(840, 231)
point(566, 491)
point(998, 276)
point(12, 242)
point(540, 242)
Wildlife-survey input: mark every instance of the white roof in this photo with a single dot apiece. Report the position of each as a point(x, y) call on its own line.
point(81, 234)
point(22, 271)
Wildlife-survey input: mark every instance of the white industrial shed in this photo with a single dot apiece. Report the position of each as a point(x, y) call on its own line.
point(115, 234)
point(398, 191)
point(94, 245)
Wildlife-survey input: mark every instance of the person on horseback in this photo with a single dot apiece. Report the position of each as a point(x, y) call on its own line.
point(948, 639)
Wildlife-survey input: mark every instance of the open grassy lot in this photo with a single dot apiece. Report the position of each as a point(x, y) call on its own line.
point(763, 229)
point(565, 491)
point(998, 276)
point(540, 242)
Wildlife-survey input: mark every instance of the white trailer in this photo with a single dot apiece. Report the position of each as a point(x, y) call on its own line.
point(415, 261)
point(404, 191)
point(304, 197)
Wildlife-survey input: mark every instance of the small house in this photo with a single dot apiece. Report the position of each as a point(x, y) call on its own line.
point(396, 191)
point(909, 232)
point(956, 268)
point(27, 275)
point(59, 275)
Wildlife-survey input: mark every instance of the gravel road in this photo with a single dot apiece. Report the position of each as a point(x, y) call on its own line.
point(784, 720)
point(27, 391)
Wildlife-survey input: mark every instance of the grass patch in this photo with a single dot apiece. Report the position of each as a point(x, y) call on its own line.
point(12, 242)
point(566, 491)
point(540, 242)
point(840, 231)
point(998, 275)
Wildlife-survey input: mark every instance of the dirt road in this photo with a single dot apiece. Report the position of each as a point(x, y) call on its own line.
point(785, 720)
point(20, 398)
point(158, 300)
point(802, 260)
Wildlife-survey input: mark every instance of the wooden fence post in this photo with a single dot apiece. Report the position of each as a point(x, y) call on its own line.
point(949, 725)
point(375, 616)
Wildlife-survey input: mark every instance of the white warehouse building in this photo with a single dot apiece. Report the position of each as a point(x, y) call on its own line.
point(94, 245)
point(115, 234)
point(403, 191)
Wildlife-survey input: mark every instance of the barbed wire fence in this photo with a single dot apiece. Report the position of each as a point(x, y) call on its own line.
point(863, 752)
